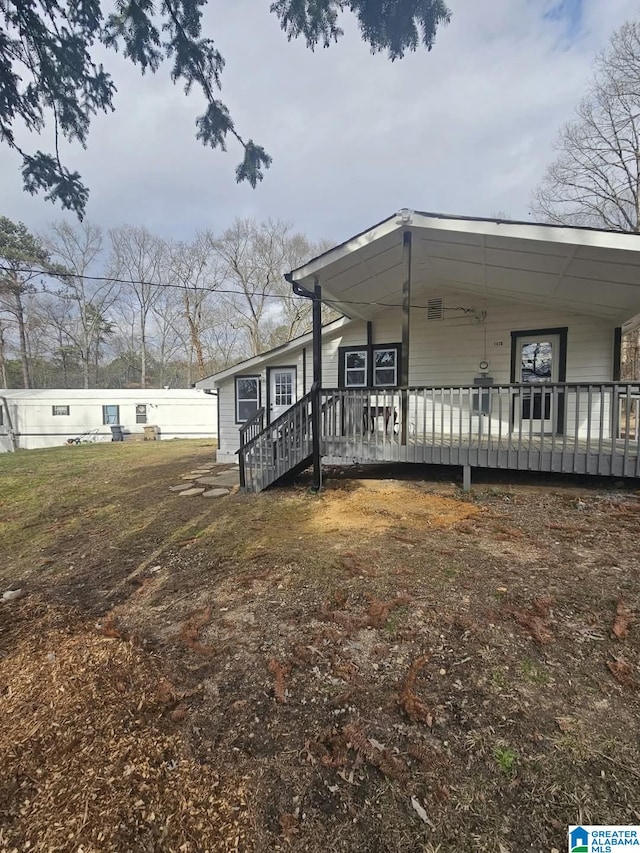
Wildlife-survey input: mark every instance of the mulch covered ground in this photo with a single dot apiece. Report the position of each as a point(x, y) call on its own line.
point(94, 756)
point(390, 666)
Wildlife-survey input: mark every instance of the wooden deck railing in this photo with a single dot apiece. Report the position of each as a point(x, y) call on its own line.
point(563, 427)
point(278, 448)
point(577, 428)
point(249, 430)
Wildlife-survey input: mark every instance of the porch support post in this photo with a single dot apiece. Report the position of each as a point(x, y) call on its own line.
point(316, 390)
point(406, 311)
point(617, 354)
point(466, 478)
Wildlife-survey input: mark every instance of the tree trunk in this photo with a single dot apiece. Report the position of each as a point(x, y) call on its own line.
point(143, 354)
point(196, 343)
point(85, 369)
point(24, 350)
point(3, 362)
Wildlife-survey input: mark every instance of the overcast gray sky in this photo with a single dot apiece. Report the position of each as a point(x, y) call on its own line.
point(465, 129)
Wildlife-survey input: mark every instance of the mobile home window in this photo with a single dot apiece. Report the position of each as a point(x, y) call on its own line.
point(247, 397)
point(141, 413)
point(111, 414)
point(60, 410)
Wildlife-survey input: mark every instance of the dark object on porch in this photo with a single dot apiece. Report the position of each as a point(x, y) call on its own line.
point(482, 399)
point(116, 432)
point(371, 413)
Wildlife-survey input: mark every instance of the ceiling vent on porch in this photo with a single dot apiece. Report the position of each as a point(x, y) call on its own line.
point(435, 309)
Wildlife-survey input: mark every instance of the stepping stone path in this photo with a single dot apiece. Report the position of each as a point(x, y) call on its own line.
point(206, 482)
point(228, 478)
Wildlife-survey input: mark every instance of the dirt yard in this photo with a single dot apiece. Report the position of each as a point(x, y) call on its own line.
point(389, 666)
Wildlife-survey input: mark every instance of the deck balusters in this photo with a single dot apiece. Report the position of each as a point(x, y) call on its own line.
point(591, 428)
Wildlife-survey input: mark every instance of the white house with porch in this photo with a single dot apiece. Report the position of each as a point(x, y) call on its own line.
point(473, 342)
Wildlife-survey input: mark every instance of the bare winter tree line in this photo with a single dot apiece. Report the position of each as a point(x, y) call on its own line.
point(595, 179)
point(127, 308)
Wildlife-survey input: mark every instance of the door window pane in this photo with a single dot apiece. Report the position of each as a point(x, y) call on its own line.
point(283, 383)
point(536, 362)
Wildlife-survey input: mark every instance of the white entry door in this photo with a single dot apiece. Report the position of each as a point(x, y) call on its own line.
point(536, 366)
point(282, 390)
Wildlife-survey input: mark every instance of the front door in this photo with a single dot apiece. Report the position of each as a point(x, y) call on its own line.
point(282, 390)
point(537, 361)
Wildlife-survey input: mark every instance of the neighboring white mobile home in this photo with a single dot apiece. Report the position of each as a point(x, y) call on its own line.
point(464, 341)
point(50, 417)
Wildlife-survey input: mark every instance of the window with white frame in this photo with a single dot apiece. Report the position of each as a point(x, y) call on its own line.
point(141, 413)
point(247, 397)
point(385, 367)
point(371, 366)
point(59, 410)
point(355, 368)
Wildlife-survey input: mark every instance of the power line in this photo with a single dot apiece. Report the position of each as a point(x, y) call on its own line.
point(191, 289)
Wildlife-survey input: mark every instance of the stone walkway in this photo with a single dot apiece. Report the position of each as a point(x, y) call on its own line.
point(208, 481)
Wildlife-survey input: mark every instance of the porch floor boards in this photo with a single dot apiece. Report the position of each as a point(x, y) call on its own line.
point(548, 453)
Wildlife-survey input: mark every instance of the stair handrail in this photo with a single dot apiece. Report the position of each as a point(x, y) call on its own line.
point(275, 424)
point(258, 418)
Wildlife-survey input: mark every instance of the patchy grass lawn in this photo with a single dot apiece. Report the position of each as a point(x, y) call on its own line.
point(388, 666)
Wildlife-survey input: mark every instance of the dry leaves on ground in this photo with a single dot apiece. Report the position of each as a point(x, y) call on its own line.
point(622, 621)
point(191, 628)
point(414, 707)
point(623, 672)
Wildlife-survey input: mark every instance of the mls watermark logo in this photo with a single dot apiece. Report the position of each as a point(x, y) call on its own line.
point(604, 839)
point(578, 839)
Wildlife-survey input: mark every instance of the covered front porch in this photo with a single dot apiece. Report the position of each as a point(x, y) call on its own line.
point(507, 352)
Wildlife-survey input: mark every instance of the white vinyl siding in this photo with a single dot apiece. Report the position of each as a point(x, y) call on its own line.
point(229, 438)
point(445, 352)
point(449, 351)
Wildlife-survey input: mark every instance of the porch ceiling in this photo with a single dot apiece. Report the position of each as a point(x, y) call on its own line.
point(581, 270)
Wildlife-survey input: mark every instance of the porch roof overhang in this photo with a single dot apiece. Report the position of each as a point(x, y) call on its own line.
point(581, 270)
